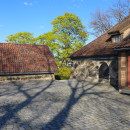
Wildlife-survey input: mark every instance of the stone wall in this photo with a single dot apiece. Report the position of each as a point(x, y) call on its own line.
point(27, 77)
point(96, 71)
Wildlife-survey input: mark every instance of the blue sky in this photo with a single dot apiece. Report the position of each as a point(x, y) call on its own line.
point(35, 15)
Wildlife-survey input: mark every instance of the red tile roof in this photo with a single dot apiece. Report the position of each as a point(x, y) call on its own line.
point(125, 43)
point(121, 25)
point(26, 58)
point(100, 46)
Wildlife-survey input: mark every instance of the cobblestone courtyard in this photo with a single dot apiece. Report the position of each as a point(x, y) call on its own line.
point(62, 105)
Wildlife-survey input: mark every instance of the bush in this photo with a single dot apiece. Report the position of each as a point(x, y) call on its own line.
point(64, 73)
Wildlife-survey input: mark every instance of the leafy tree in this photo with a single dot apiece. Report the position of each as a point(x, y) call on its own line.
point(49, 39)
point(22, 37)
point(70, 34)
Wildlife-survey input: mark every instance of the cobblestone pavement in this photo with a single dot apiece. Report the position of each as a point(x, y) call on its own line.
point(62, 105)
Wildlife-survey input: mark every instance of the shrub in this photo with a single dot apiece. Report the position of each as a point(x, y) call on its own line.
point(64, 73)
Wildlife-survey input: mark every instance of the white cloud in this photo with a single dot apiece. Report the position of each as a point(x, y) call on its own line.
point(42, 27)
point(28, 3)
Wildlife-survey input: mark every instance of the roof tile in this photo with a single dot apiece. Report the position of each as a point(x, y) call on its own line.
point(100, 46)
point(24, 58)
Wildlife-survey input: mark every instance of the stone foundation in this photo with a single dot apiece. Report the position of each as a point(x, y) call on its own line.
point(27, 77)
point(96, 71)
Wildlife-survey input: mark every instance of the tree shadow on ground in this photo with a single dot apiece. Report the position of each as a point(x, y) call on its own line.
point(60, 119)
point(78, 91)
point(12, 109)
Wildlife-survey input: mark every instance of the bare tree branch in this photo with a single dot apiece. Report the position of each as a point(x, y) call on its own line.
point(101, 22)
point(120, 9)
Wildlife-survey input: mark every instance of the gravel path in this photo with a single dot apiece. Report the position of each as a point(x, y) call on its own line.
point(62, 105)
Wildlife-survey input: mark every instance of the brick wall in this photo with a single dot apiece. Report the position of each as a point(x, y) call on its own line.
point(123, 69)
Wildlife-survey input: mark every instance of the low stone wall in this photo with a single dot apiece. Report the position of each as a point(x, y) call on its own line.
point(95, 71)
point(27, 77)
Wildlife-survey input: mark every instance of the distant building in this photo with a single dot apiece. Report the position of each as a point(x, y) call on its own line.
point(26, 61)
point(107, 58)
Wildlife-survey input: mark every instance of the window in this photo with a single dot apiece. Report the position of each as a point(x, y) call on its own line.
point(116, 38)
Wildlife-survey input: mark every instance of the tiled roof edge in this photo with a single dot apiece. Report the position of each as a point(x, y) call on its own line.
point(23, 44)
point(29, 73)
point(123, 20)
point(86, 45)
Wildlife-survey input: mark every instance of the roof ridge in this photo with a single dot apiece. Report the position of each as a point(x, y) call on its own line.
point(88, 44)
point(24, 44)
point(97, 44)
point(120, 22)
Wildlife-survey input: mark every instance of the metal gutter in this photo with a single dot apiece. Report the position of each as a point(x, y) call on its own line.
point(96, 58)
point(28, 73)
point(121, 49)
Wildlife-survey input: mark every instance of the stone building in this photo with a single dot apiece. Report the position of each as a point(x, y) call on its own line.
point(106, 59)
point(23, 61)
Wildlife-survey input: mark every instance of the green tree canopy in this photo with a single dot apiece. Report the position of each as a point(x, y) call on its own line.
point(70, 34)
point(49, 39)
point(22, 37)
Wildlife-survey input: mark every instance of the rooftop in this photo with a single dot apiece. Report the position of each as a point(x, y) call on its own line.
point(26, 58)
point(101, 46)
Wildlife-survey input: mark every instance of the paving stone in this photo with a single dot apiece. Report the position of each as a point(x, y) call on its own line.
point(65, 105)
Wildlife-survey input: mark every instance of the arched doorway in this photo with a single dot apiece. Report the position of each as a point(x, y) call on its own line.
point(104, 71)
